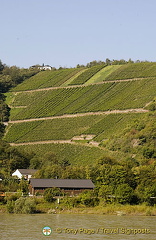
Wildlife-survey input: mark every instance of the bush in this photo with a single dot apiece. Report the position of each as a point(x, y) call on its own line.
point(19, 203)
point(124, 193)
point(13, 197)
point(10, 206)
point(50, 193)
point(29, 206)
point(88, 199)
point(25, 205)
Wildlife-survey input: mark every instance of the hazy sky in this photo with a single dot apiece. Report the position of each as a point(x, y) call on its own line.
point(67, 32)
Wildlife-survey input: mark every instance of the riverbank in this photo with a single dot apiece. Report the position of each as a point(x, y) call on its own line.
point(110, 209)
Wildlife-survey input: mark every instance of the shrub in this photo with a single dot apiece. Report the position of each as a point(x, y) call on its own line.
point(124, 193)
point(25, 205)
point(50, 193)
point(10, 206)
point(19, 203)
point(29, 206)
point(87, 198)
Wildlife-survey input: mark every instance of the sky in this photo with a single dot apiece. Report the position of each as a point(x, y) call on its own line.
point(64, 33)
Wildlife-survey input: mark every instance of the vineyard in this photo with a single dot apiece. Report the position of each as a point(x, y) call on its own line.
point(93, 98)
point(85, 76)
point(46, 79)
point(102, 74)
point(135, 70)
point(99, 126)
point(82, 107)
point(77, 154)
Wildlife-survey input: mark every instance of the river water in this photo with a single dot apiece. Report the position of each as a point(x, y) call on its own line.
point(76, 226)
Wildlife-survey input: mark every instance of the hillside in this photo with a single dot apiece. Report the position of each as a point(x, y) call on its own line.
point(76, 113)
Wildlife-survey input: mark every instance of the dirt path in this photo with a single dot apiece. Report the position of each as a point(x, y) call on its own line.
point(42, 142)
point(59, 142)
point(83, 85)
point(137, 110)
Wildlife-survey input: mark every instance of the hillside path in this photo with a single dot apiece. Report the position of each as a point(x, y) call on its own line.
point(81, 85)
point(136, 110)
point(91, 144)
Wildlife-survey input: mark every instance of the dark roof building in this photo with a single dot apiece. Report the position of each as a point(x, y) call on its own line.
point(68, 185)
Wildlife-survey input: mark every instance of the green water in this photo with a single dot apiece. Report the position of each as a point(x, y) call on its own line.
point(74, 226)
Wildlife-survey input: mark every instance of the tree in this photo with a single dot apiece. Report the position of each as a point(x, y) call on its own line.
point(17, 159)
point(1, 66)
point(105, 191)
point(50, 193)
point(23, 185)
point(88, 199)
point(25, 205)
point(108, 61)
point(124, 193)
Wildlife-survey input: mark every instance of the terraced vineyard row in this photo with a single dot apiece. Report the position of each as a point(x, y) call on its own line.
point(93, 98)
point(102, 126)
point(56, 129)
point(135, 70)
point(85, 76)
point(113, 124)
point(76, 154)
point(102, 74)
point(47, 79)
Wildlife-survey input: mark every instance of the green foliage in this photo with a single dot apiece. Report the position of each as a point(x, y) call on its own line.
point(76, 154)
point(124, 193)
point(1, 66)
point(50, 193)
point(9, 184)
point(10, 206)
point(11, 76)
point(23, 185)
point(88, 199)
point(4, 111)
point(25, 205)
point(13, 196)
point(147, 192)
point(17, 159)
point(50, 171)
point(105, 192)
point(127, 173)
point(149, 152)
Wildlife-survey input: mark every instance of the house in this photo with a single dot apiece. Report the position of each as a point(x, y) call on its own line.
point(45, 67)
point(70, 186)
point(26, 173)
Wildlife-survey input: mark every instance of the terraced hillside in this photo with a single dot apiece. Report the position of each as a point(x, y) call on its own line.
point(72, 112)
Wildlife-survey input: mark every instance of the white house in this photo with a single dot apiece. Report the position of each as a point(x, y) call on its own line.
point(45, 67)
point(26, 173)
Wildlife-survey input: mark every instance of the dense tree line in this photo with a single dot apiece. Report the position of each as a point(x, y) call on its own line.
point(109, 62)
point(10, 158)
